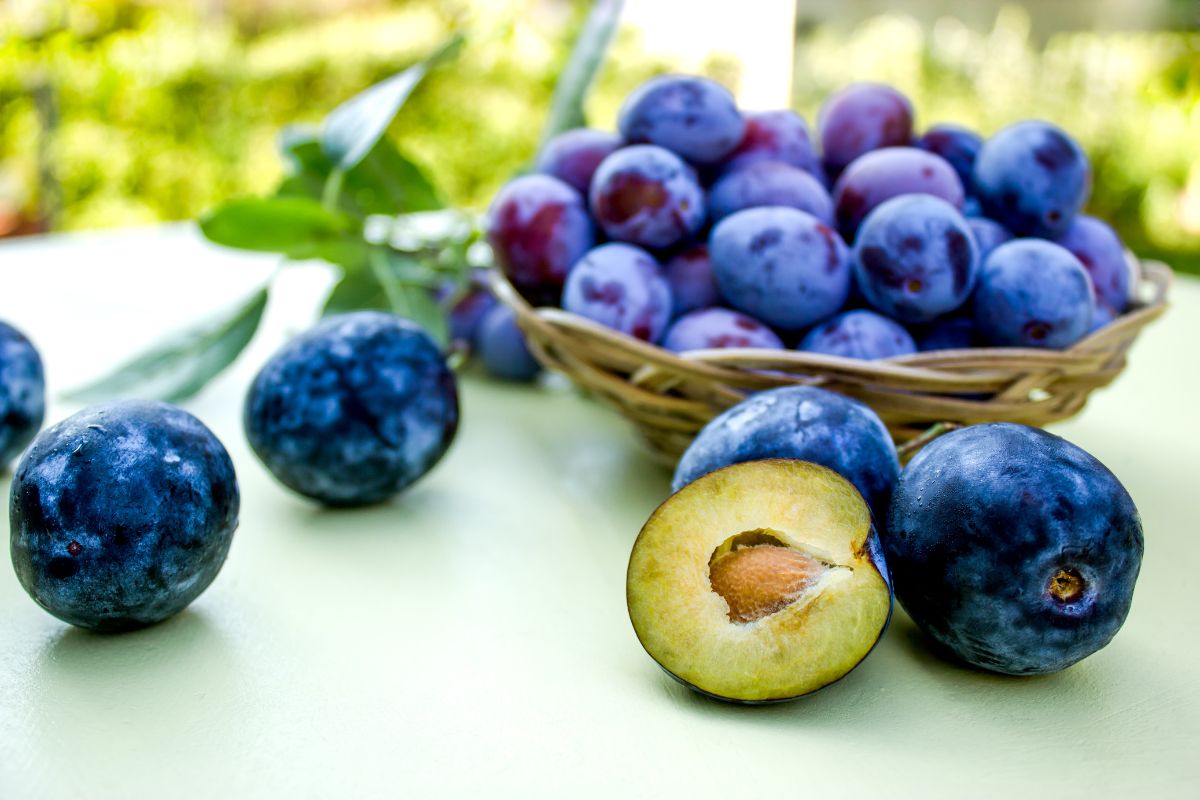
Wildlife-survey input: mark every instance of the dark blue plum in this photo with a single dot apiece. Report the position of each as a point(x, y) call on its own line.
point(805, 423)
point(1033, 293)
point(713, 328)
point(1014, 549)
point(692, 283)
point(972, 207)
point(501, 346)
point(622, 287)
point(775, 136)
point(860, 118)
point(647, 196)
point(354, 410)
point(780, 265)
point(988, 234)
point(122, 514)
point(22, 393)
point(915, 258)
point(1103, 316)
point(957, 145)
point(883, 174)
point(468, 312)
point(1099, 249)
point(1032, 178)
point(572, 156)
point(538, 227)
point(954, 332)
point(769, 183)
point(859, 334)
point(693, 117)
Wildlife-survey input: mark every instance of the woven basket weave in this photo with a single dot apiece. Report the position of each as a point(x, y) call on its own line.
point(669, 397)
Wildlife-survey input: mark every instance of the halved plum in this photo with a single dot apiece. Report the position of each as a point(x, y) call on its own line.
point(759, 582)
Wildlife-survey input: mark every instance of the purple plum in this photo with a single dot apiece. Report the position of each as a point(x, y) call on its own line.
point(1099, 249)
point(860, 118)
point(769, 183)
point(712, 328)
point(957, 145)
point(573, 155)
point(988, 234)
point(693, 117)
point(775, 136)
point(502, 349)
point(883, 174)
point(647, 196)
point(622, 287)
point(859, 334)
point(692, 283)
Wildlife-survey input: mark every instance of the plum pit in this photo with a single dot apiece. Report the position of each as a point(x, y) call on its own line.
point(757, 574)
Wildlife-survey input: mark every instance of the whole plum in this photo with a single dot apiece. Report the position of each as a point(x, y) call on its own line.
point(646, 195)
point(538, 227)
point(780, 265)
point(801, 422)
point(693, 117)
point(769, 183)
point(915, 258)
point(712, 328)
point(860, 118)
point(572, 156)
point(354, 410)
point(1099, 249)
point(1012, 548)
point(1033, 293)
point(501, 346)
point(22, 393)
point(958, 145)
point(692, 283)
point(622, 287)
point(1032, 178)
point(859, 334)
point(775, 136)
point(883, 174)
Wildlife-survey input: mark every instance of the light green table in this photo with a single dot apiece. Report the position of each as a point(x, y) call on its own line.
point(471, 638)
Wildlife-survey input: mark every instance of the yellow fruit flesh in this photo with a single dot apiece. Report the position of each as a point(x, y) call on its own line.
point(807, 602)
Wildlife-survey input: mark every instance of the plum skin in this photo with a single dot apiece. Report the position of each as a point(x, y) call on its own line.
point(859, 333)
point(891, 172)
point(982, 520)
point(769, 183)
point(122, 514)
point(572, 156)
point(622, 287)
point(22, 393)
point(1033, 293)
point(860, 118)
point(780, 136)
point(692, 283)
point(501, 346)
point(780, 265)
point(538, 227)
point(647, 196)
point(693, 117)
point(710, 328)
point(354, 410)
point(799, 422)
point(1032, 178)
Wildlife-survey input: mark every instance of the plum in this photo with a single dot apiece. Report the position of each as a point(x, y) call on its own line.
point(915, 258)
point(538, 227)
point(646, 195)
point(1032, 178)
point(692, 283)
point(502, 349)
point(775, 136)
point(1033, 293)
point(759, 582)
point(860, 118)
point(1099, 249)
point(712, 328)
point(22, 393)
point(467, 313)
point(859, 334)
point(780, 265)
point(801, 422)
point(883, 174)
point(988, 235)
point(572, 156)
point(1012, 548)
point(769, 183)
point(354, 410)
point(954, 332)
point(122, 514)
point(957, 145)
point(696, 118)
point(622, 287)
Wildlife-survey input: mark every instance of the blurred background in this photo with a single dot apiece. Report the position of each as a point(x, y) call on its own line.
point(129, 112)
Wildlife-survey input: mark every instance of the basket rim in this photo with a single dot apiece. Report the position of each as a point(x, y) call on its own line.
point(937, 368)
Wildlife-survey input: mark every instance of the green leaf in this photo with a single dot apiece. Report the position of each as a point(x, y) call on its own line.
point(177, 369)
point(355, 290)
point(275, 224)
point(587, 56)
point(384, 182)
point(353, 128)
point(405, 283)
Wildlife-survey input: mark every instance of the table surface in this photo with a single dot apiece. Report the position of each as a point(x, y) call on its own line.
point(471, 637)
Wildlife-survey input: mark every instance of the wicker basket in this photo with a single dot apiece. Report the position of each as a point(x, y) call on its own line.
point(669, 397)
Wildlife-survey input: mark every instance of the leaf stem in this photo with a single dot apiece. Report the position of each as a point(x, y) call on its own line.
point(333, 189)
point(910, 448)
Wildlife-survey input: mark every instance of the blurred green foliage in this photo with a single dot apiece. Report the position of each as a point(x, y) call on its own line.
point(114, 112)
